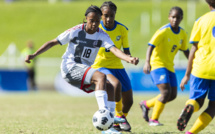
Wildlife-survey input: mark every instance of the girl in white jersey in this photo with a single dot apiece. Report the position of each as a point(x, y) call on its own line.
point(84, 42)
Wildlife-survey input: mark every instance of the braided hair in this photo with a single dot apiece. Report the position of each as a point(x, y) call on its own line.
point(109, 4)
point(93, 8)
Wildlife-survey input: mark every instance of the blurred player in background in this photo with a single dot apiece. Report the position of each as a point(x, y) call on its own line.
point(109, 64)
point(161, 51)
point(31, 66)
point(201, 72)
point(84, 42)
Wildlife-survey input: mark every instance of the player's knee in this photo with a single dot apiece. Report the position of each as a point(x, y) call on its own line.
point(117, 85)
point(165, 96)
point(101, 77)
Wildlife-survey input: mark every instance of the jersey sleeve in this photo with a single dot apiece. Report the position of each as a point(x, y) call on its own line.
point(107, 42)
point(125, 38)
point(195, 34)
point(156, 38)
point(184, 45)
point(64, 37)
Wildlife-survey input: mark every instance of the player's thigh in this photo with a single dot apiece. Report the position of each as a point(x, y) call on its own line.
point(198, 87)
point(160, 76)
point(80, 76)
point(211, 93)
point(122, 76)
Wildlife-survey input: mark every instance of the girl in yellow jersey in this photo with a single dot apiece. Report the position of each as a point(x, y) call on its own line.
point(201, 72)
point(110, 65)
point(162, 49)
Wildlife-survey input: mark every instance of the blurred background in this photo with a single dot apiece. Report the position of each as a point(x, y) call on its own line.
point(39, 21)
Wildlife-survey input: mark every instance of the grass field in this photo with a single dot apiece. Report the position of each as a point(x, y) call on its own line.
point(47, 112)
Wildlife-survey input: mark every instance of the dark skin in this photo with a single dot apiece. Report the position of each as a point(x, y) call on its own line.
point(98, 78)
point(210, 109)
point(108, 18)
point(168, 93)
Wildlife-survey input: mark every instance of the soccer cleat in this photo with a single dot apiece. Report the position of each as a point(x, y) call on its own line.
point(184, 117)
point(111, 131)
point(188, 132)
point(118, 119)
point(125, 126)
point(154, 123)
point(117, 127)
point(145, 110)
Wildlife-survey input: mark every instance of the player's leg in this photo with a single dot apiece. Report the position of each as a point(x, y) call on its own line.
point(206, 117)
point(198, 91)
point(127, 98)
point(161, 79)
point(165, 90)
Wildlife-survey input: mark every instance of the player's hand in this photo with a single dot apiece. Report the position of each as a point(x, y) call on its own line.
point(29, 57)
point(147, 68)
point(184, 82)
point(134, 60)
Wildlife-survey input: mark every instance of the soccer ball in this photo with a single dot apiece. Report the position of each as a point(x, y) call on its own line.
point(103, 119)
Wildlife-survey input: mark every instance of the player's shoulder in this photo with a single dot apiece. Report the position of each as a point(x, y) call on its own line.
point(122, 26)
point(102, 32)
point(77, 27)
point(165, 27)
point(206, 16)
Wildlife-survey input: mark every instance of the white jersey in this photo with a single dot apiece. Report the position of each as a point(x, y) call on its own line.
point(82, 47)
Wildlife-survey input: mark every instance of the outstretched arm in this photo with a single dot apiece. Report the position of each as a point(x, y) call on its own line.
point(147, 66)
point(123, 56)
point(42, 49)
point(189, 66)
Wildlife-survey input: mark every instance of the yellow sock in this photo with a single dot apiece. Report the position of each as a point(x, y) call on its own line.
point(125, 114)
point(157, 110)
point(194, 103)
point(118, 109)
point(151, 102)
point(203, 120)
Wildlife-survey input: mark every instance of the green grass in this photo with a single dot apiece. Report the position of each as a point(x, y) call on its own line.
point(48, 112)
point(41, 21)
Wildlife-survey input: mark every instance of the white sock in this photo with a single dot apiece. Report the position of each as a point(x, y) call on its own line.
point(101, 97)
point(111, 106)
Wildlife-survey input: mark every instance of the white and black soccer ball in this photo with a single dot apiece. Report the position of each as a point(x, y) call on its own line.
point(103, 119)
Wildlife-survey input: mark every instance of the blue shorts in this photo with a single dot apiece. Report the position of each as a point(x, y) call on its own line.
point(199, 88)
point(120, 74)
point(162, 75)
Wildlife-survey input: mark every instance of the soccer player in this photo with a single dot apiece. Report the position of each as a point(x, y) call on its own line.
point(84, 42)
point(161, 51)
point(29, 49)
point(201, 72)
point(107, 63)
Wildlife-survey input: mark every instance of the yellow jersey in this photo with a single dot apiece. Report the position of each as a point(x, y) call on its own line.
point(203, 33)
point(166, 44)
point(119, 36)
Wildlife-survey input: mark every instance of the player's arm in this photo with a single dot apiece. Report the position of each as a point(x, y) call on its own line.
point(186, 53)
point(118, 53)
point(189, 66)
point(147, 66)
point(42, 49)
point(127, 51)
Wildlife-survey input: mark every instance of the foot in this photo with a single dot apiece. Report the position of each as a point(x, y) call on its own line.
point(184, 117)
point(117, 127)
point(118, 119)
point(125, 126)
point(145, 110)
point(188, 132)
point(111, 131)
point(154, 123)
